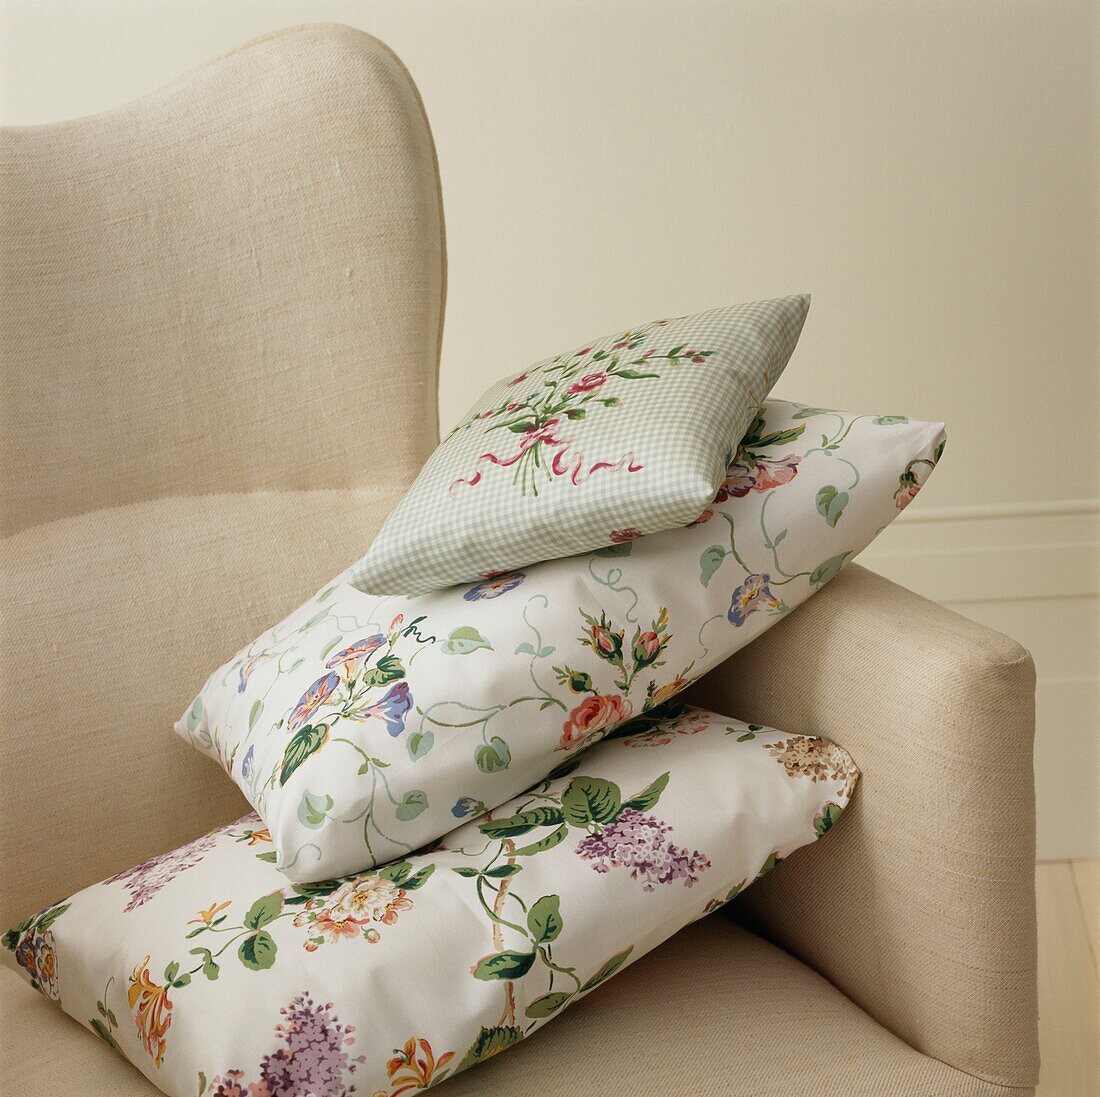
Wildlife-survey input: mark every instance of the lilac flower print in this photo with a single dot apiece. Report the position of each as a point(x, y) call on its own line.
point(145, 880)
point(640, 842)
point(313, 1061)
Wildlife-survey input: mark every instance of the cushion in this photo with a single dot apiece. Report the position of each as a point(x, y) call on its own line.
point(430, 965)
point(362, 726)
point(627, 432)
point(794, 1033)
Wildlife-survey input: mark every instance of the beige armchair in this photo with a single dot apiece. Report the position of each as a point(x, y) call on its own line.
point(220, 334)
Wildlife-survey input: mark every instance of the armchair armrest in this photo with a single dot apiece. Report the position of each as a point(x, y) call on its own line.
point(920, 905)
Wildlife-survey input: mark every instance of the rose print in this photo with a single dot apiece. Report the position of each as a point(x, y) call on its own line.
point(592, 716)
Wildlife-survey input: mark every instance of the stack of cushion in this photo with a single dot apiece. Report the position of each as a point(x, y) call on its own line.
point(600, 530)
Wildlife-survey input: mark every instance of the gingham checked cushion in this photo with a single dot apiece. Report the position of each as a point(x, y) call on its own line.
point(623, 436)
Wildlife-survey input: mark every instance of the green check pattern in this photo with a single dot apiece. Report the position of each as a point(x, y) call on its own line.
point(621, 437)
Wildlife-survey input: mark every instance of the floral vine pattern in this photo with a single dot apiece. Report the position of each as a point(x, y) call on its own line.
point(540, 403)
point(540, 901)
point(363, 726)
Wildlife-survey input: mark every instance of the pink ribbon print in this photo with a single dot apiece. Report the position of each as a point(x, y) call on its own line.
point(565, 462)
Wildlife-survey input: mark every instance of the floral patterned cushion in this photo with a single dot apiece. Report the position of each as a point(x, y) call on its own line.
point(631, 430)
point(214, 975)
point(362, 726)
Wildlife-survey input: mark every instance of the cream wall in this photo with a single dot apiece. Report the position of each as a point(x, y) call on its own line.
point(930, 171)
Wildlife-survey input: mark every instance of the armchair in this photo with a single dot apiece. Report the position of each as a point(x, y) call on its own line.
point(219, 343)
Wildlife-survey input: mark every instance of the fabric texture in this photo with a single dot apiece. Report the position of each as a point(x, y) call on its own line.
point(626, 433)
point(223, 286)
point(160, 594)
point(925, 913)
point(748, 1020)
point(360, 726)
point(198, 273)
point(450, 957)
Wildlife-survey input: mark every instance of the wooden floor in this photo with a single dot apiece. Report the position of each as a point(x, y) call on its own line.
point(1068, 896)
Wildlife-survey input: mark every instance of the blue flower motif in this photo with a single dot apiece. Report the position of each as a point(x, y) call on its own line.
point(246, 764)
point(493, 586)
point(753, 594)
point(467, 805)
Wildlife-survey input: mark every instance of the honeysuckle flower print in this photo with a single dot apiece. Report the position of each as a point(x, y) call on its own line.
point(753, 594)
point(494, 585)
point(640, 843)
point(350, 657)
point(592, 716)
point(415, 1066)
point(391, 709)
point(208, 914)
point(152, 1010)
point(667, 691)
point(312, 700)
point(314, 1059)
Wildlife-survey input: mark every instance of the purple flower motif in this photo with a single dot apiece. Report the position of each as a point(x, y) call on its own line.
point(640, 842)
point(145, 880)
point(494, 585)
point(248, 666)
point(467, 805)
point(355, 653)
point(312, 700)
point(391, 709)
point(246, 762)
point(314, 1059)
point(753, 594)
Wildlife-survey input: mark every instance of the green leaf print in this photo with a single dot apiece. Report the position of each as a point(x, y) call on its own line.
point(544, 919)
point(258, 951)
point(490, 1042)
point(591, 800)
point(609, 968)
point(508, 964)
point(306, 741)
point(649, 795)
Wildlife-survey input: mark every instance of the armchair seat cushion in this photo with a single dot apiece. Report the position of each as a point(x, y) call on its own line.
point(715, 1012)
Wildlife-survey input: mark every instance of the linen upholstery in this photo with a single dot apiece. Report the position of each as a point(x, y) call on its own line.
point(718, 1011)
point(246, 266)
point(923, 912)
point(729, 1010)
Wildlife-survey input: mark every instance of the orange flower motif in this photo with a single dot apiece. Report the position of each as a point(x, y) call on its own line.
point(261, 835)
point(205, 917)
point(669, 690)
point(414, 1066)
point(152, 1011)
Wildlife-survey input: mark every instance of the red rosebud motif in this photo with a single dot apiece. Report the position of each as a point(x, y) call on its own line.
point(621, 536)
point(647, 646)
point(588, 383)
point(592, 716)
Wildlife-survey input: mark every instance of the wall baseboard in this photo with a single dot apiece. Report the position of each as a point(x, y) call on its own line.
point(1031, 571)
